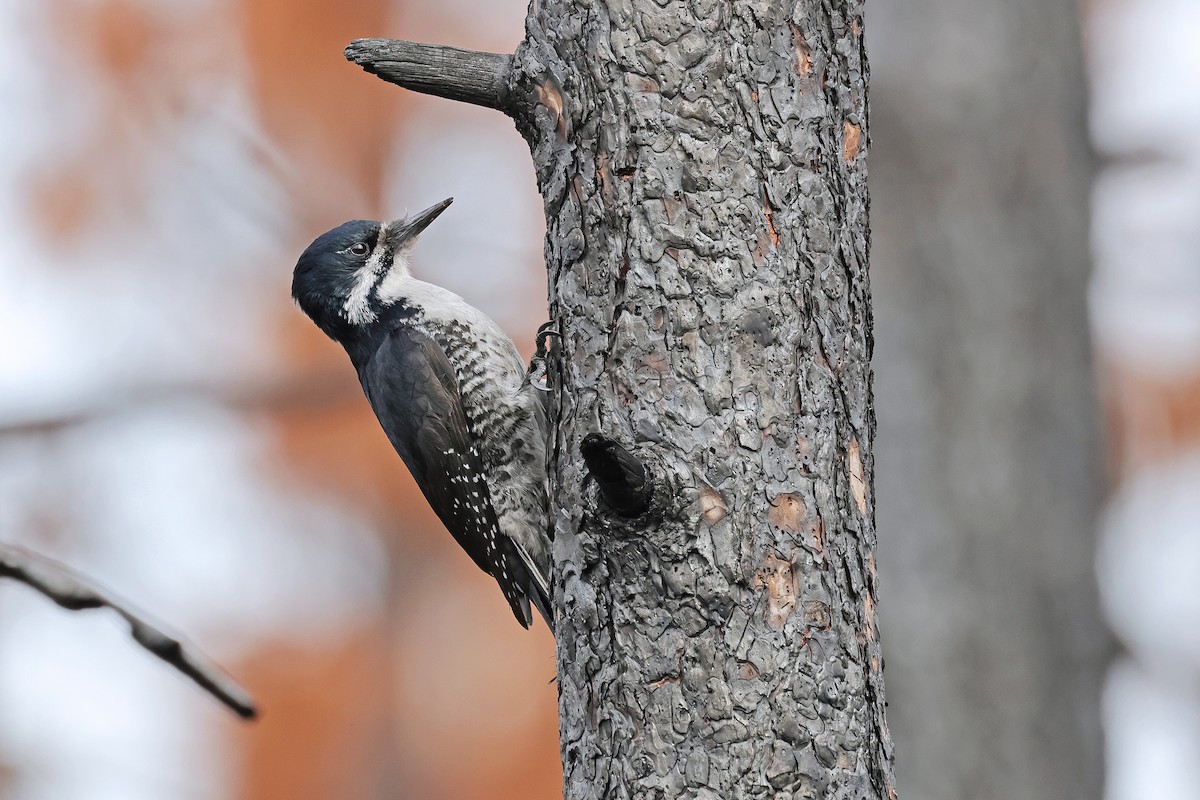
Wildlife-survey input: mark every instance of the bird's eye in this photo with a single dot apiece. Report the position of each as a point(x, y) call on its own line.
point(359, 248)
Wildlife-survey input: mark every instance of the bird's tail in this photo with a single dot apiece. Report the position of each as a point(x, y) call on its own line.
point(537, 588)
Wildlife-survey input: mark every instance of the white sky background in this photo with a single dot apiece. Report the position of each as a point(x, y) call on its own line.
point(1144, 63)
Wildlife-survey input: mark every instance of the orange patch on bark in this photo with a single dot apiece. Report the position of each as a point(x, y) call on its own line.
point(868, 632)
point(769, 213)
point(858, 482)
point(673, 207)
point(783, 588)
point(550, 96)
point(787, 512)
point(712, 505)
point(803, 63)
point(851, 141)
point(643, 83)
point(657, 362)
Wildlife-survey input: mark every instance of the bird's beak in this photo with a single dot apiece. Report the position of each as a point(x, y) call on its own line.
point(402, 231)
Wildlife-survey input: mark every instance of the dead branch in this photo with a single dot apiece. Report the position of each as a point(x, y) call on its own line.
point(468, 76)
point(73, 592)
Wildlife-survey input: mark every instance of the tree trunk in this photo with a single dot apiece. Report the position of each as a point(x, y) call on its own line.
point(989, 477)
point(703, 170)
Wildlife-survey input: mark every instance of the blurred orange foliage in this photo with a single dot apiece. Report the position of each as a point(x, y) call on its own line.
point(441, 694)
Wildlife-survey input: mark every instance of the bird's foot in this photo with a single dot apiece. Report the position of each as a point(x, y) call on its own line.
point(538, 376)
point(545, 331)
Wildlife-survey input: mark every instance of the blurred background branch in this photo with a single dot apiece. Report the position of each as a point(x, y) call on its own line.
point(73, 592)
point(310, 392)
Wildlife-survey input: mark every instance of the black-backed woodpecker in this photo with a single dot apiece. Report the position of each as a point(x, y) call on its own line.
point(450, 391)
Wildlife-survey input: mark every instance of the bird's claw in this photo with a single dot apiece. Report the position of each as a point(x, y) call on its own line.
point(545, 331)
point(538, 376)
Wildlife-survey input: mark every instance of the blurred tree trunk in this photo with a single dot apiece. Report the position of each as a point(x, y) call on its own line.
point(703, 169)
point(989, 482)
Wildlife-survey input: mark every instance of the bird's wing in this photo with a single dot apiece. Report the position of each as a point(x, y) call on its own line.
point(414, 391)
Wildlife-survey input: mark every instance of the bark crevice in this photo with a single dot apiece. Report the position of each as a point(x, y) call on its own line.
point(625, 484)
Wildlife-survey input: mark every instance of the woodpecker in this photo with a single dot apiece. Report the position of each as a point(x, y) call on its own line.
point(450, 391)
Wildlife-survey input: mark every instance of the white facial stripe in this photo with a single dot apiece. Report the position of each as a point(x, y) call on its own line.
point(395, 284)
point(358, 304)
point(357, 308)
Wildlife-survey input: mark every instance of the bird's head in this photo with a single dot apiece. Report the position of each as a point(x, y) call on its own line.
point(339, 277)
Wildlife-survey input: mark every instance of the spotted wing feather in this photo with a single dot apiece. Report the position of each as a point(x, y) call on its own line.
point(413, 389)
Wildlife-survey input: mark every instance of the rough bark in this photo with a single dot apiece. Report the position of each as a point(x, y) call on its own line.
point(703, 170)
point(988, 470)
point(464, 75)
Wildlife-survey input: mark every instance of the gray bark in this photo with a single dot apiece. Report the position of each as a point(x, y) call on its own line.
point(703, 170)
point(464, 75)
point(988, 469)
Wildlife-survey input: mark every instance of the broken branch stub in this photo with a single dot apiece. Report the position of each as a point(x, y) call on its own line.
point(468, 76)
